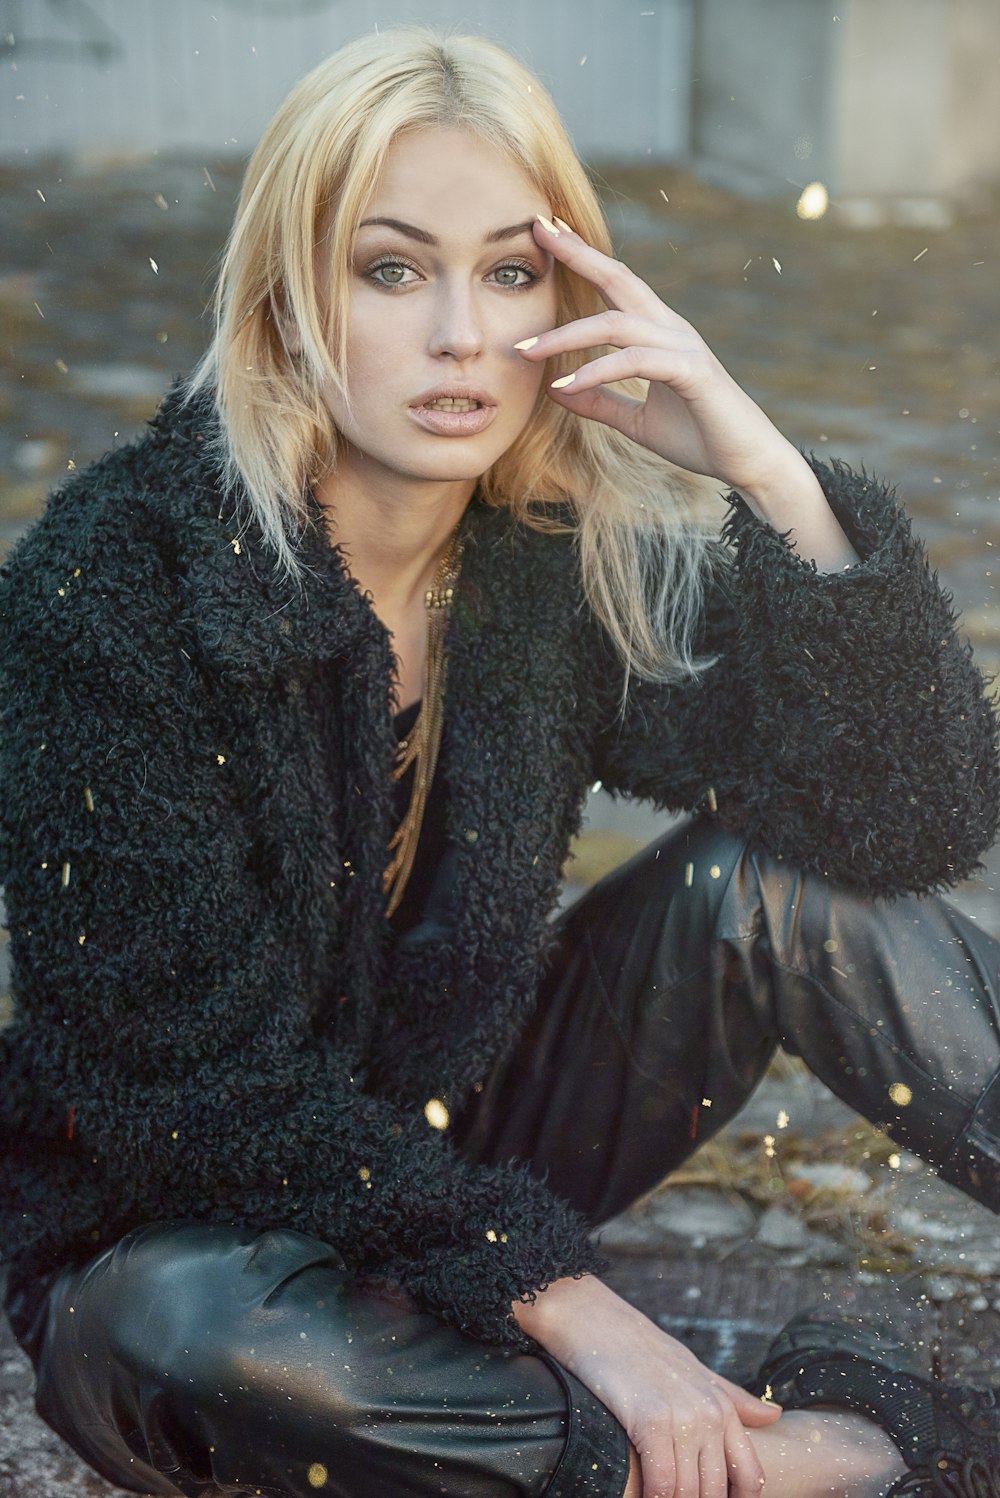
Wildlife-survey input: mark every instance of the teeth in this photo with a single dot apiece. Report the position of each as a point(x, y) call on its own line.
point(451, 403)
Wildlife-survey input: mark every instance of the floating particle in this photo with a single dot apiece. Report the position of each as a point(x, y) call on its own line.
point(769, 1149)
point(40, 193)
point(782, 1119)
point(664, 196)
point(923, 252)
point(710, 797)
point(706, 1102)
point(317, 1475)
point(155, 267)
point(596, 787)
point(82, 938)
point(160, 201)
point(236, 545)
point(715, 871)
point(491, 1235)
point(88, 798)
point(829, 945)
point(39, 311)
point(583, 59)
point(208, 178)
point(65, 874)
point(70, 465)
point(900, 1094)
point(776, 264)
point(220, 759)
point(365, 1173)
point(175, 1134)
point(813, 201)
point(62, 366)
point(688, 874)
point(894, 1162)
point(436, 1113)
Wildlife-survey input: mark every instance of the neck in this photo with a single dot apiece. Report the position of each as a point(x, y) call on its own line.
point(393, 532)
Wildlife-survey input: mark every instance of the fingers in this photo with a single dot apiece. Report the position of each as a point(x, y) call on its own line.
point(665, 365)
point(751, 1410)
point(619, 287)
point(614, 327)
point(746, 1475)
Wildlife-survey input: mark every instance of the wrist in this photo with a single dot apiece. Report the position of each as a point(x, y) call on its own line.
point(784, 493)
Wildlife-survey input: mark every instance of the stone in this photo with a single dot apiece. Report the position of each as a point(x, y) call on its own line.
point(846, 1180)
point(702, 1213)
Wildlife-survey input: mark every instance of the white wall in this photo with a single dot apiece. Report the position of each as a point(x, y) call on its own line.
point(123, 77)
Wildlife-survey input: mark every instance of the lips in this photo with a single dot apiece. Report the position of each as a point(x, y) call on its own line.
point(449, 393)
point(456, 416)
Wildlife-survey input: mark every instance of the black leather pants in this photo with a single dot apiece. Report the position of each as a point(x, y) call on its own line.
point(200, 1359)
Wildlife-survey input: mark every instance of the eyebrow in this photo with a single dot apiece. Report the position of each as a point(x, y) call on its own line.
point(495, 236)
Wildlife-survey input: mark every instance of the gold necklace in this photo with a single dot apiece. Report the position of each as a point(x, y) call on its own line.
point(420, 747)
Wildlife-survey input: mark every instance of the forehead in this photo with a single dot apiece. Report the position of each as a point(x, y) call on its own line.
point(444, 176)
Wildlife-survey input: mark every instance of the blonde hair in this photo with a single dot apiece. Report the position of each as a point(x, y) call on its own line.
point(641, 551)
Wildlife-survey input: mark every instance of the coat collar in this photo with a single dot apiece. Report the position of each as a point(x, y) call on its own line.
point(246, 620)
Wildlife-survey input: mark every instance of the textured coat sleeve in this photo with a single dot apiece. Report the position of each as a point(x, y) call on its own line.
point(150, 1072)
point(843, 725)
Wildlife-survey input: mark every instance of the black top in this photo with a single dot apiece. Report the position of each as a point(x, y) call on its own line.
point(423, 909)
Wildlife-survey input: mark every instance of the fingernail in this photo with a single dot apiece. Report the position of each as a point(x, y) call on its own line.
point(771, 1404)
point(551, 228)
point(562, 225)
point(565, 380)
point(526, 343)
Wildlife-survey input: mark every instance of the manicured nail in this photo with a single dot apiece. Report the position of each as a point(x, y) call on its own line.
point(565, 380)
point(550, 228)
point(526, 343)
point(562, 225)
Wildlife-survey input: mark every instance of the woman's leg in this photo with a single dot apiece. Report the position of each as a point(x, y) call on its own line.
point(674, 980)
point(672, 983)
point(195, 1358)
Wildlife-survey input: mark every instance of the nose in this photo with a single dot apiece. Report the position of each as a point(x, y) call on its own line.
point(457, 331)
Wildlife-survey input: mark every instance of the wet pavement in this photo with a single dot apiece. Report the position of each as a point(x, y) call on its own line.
point(877, 345)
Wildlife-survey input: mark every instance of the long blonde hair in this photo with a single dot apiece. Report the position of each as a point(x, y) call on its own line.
point(642, 554)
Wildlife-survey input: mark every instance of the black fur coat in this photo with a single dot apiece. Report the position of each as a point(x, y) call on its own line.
point(210, 1019)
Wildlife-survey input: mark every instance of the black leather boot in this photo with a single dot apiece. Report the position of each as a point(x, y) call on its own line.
point(947, 1434)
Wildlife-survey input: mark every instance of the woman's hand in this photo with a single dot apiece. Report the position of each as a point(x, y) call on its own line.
point(686, 1423)
point(694, 413)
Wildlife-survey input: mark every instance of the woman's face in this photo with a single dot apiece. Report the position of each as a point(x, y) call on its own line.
point(445, 278)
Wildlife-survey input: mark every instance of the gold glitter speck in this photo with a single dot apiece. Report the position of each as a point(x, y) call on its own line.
point(715, 871)
point(88, 798)
point(901, 1094)
point(317, 1475)
point(220, 759)
point(491, 1235)
point(365, 1173)
point(82, 938)
point(65, 874)
point(237, 548)
point(436, 1113)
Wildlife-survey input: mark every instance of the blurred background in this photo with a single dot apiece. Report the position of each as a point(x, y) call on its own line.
point(815, 185)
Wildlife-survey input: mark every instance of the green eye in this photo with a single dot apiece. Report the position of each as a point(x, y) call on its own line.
point(394, 270)
point(513, 270)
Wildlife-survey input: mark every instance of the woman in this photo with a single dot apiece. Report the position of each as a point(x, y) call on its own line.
point(308, 1108)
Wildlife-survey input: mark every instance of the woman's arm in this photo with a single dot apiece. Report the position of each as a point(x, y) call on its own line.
point(844, 724)
point(683, 1420)
point(161, 1063)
